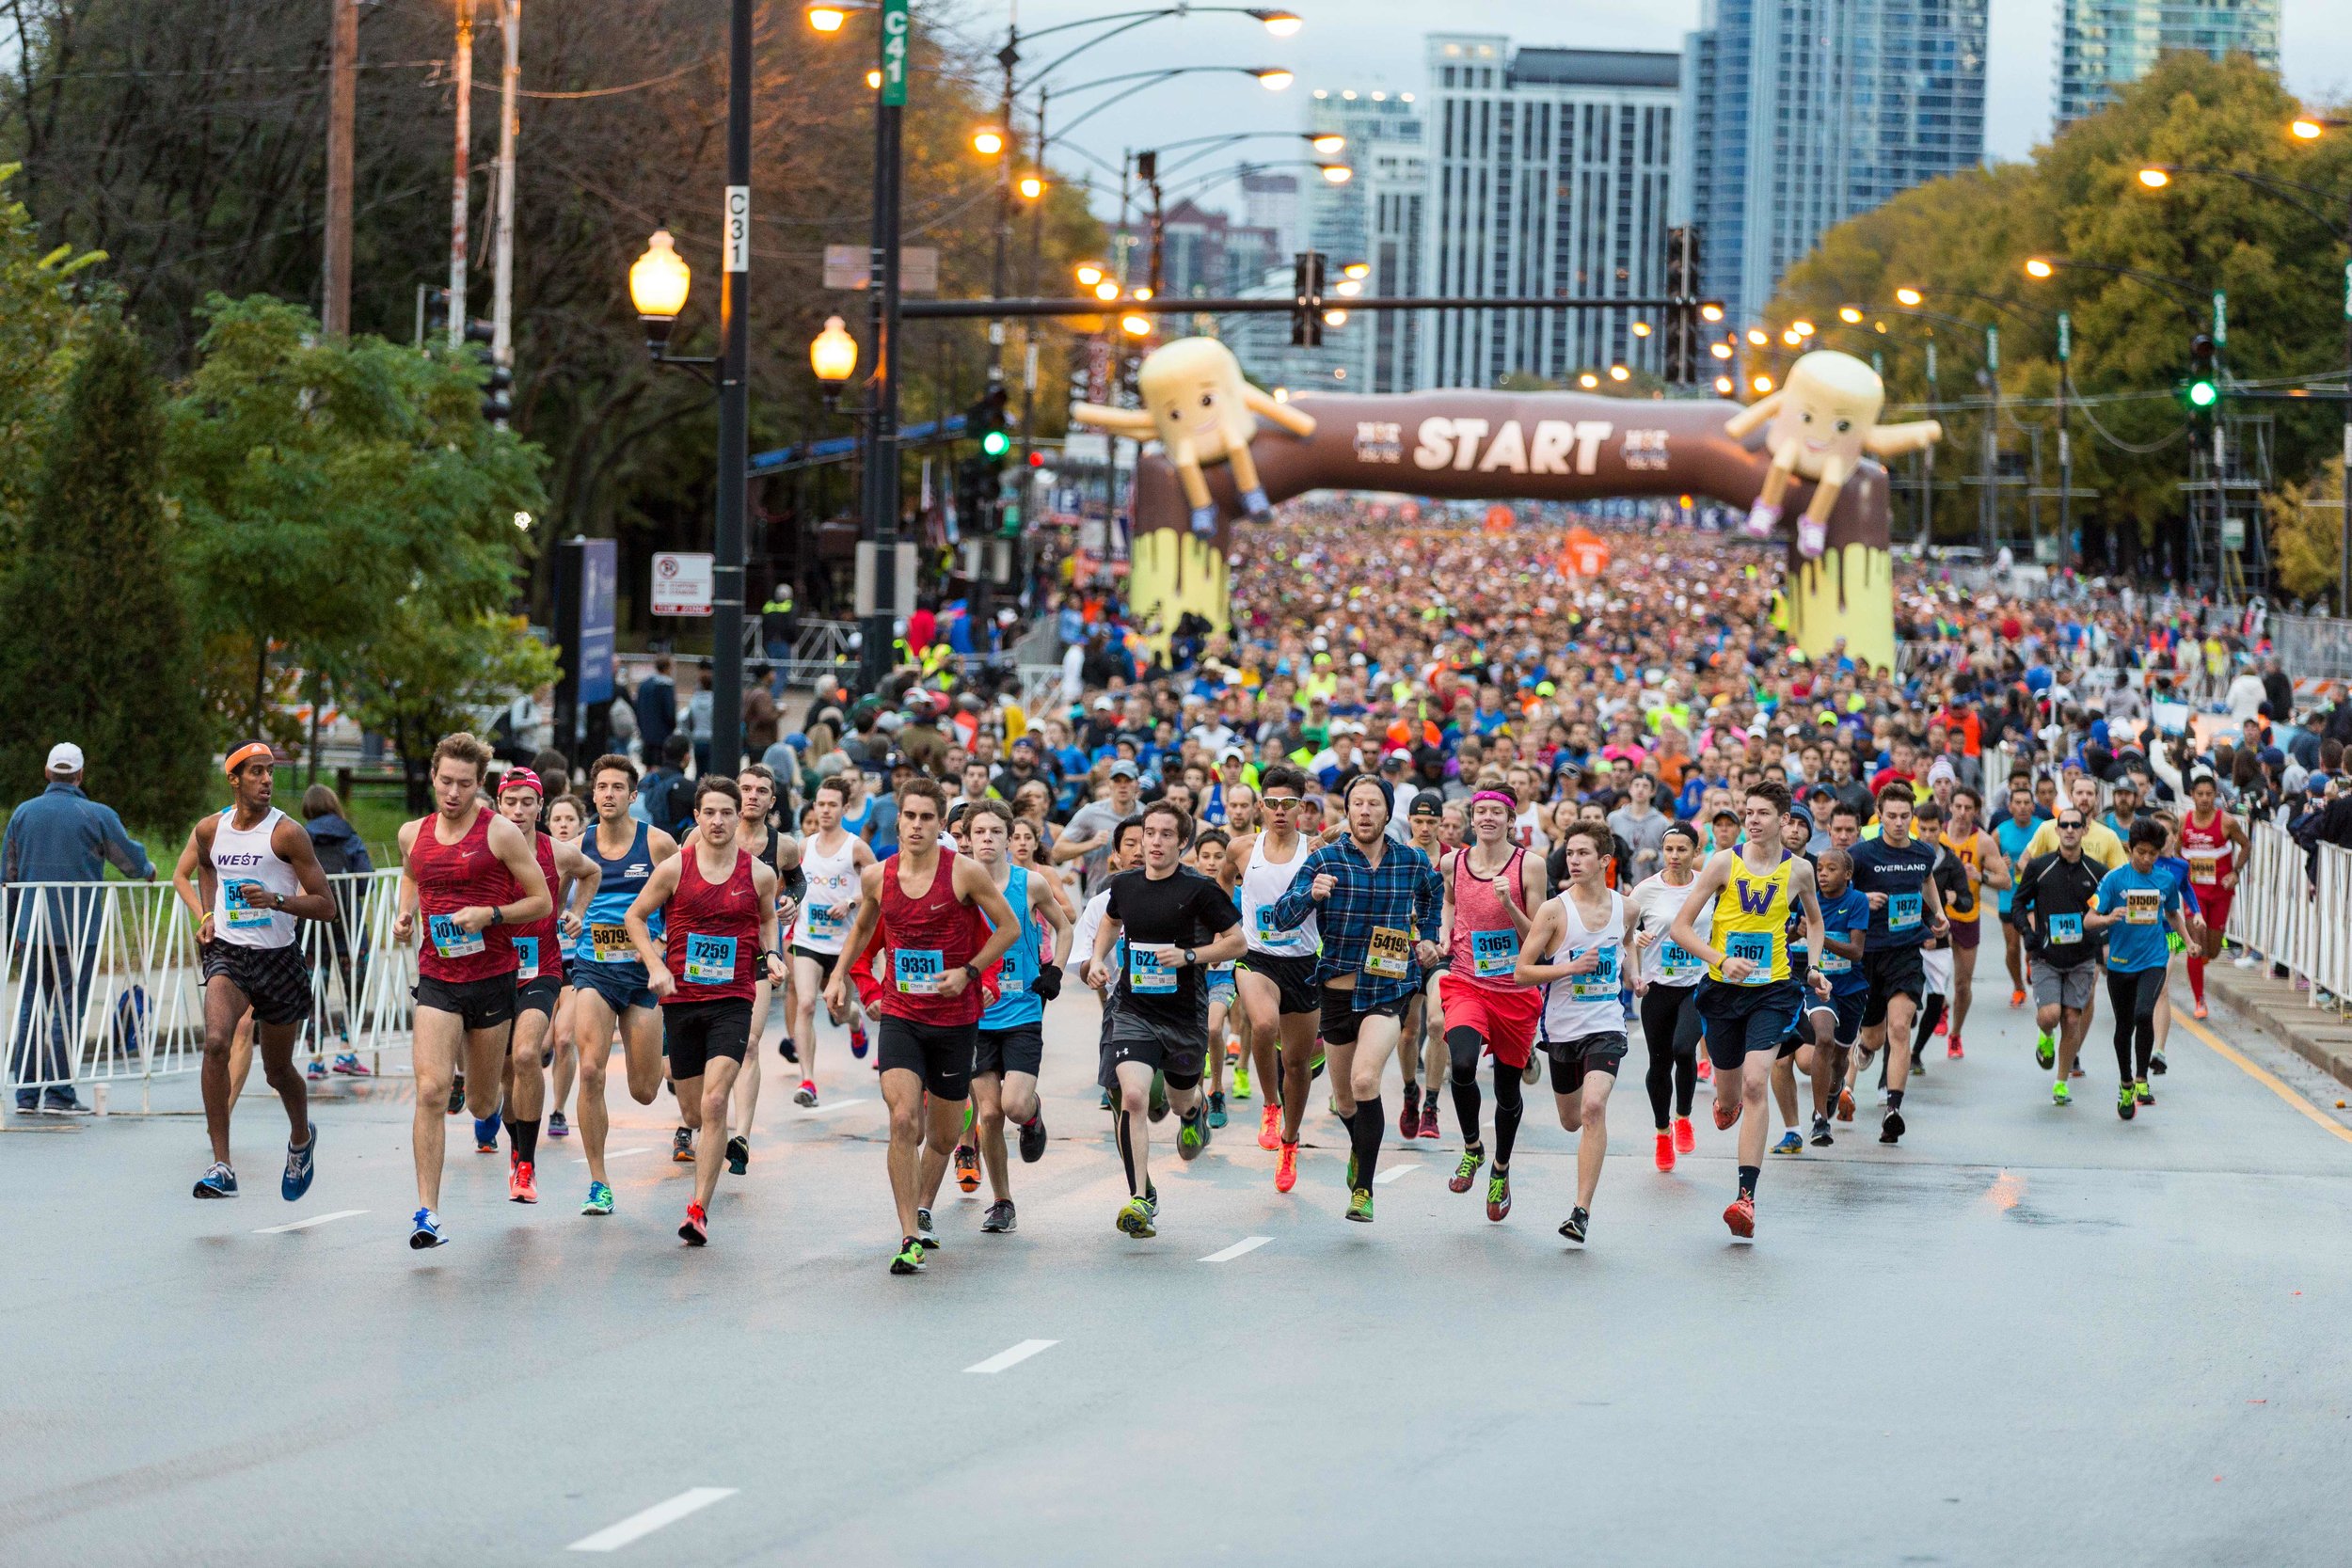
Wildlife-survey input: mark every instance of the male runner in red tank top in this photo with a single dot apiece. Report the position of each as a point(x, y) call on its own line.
point(474, 875)
point(721, 943)
point(928, 906)
point(2214, 844)
point(538, 976)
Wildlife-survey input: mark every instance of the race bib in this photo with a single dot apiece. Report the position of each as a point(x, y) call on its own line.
point(1600, 983)
point(1266, 922)
point(2065, 929)
point(242, 915)
point(1494, 954)
point(453, 941)
point(611, 944)
point(2141, 906)
point(1389, 955)
point(1902, 911)
point(526, 949)
point(2205, 873)
point(1678, 962)
point(917, 970)
point(1757, 947)
point(823, 922)
point(709, 961)
point(1147, 976)
point(1832, 964)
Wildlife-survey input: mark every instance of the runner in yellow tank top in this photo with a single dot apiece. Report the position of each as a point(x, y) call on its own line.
point(1752, 921)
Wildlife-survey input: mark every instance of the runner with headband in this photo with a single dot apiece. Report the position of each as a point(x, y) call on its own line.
point(1492, 889)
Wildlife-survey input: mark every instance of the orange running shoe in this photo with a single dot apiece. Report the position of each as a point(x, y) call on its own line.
point(1665, 1151)
point(1286, 1167)
point(1952, 1052)
point(2017, 999)
point(697, 1230)
point(1270, 1127)
point(1707, 1068)
point(1685, 1138)
point(520, 1187)
point(1845, 1104)
point(2201, 1008)
point(967, 1168)
point(1723, 1122)
point(1740, 1216)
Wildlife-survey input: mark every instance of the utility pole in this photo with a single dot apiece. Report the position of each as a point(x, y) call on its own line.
point(461, 174)
point(734, 409)
point(1927, 463)
point(342, 91)
point(1988, 515)
point(2066, 445)
point(502, 263)
point(878, 531)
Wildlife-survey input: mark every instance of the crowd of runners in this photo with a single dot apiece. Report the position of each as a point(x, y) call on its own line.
point(1436, 801)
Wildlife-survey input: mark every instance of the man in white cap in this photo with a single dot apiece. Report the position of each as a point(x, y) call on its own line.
point(59, 835)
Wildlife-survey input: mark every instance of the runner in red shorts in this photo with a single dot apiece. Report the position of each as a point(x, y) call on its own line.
point(2213, 842)
point(1492, 888)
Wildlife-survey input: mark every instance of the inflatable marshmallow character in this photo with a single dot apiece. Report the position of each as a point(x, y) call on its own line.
point(1822, 421)
point(1203, 411)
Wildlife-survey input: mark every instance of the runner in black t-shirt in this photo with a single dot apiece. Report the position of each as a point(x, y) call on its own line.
point(1895, 872)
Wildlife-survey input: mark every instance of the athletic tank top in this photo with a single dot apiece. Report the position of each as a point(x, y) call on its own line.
point(923, 939)
point(453, 877)
point(1016, 1003)
point(2206, 847)
point(1665, 961)
point(1263, 883)
point(832, 879)
point(714, 932)
point(1484, 946)
point(855, 826)
point(605, 942)
point(538, 945)
point(1586, 1003)
point(568, 946)
point(1965, 852)
point(1751, 920)
point(244, 857)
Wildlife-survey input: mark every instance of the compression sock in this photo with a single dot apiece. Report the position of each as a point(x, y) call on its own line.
point(1930, 1012)
point(525, 1137)
point(2196, 979)
point(1364, 1133)
point(1510, 1105)
point(1121, 1132)
point(1747, 1180)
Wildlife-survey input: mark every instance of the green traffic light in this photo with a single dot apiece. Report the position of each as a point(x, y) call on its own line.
point(995, 443)
point(2204, 394)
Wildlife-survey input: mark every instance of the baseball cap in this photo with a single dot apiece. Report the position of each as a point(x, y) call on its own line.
point(1232, 753)
point(1399, 755)
point(522, 778)
point(1122, 769)
point(1426, 803)
point(1103, 703)
point(65, 757)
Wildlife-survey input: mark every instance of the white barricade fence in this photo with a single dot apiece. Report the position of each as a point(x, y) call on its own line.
point(103, 982)
point(2280, 917)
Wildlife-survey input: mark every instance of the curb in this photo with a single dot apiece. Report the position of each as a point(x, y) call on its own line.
point(2318, 1035)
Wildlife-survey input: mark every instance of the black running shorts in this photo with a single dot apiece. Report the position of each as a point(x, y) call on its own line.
point(483, 1004)
point(939, 1053)
point(1018, 1049)
point(695, 1032)
point(277, 980)
point(1293, 979)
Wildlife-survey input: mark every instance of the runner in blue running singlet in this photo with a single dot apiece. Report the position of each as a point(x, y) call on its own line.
point(610, 966)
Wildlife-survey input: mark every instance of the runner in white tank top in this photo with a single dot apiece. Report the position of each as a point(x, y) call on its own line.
point(1263, 882)
point(1275, 980)
point(243, 858)
point(1581, 935)
point(833, 859)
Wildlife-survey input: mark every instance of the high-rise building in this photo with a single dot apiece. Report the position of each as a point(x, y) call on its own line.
point(1269, 200)
point(1206, 252)
point(1549, 171)
point(1801, 114)
point(1385, 137)
point(2106, 45)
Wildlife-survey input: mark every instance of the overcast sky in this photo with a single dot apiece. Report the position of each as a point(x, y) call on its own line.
point(1363, 43)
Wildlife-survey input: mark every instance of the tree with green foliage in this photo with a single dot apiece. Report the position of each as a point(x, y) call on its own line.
point(99, 647)
point(41, 309)
point(2306, 526)
point(429, 672)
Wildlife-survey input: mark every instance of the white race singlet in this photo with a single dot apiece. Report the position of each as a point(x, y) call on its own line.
point(1586, 1003)
point(832, 879)
point(1262, 883)
point(243, 858)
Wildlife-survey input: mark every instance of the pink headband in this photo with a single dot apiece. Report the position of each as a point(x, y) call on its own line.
point(1509, 801)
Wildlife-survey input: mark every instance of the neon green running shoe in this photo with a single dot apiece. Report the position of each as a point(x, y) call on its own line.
point(2045, 1051)
point(1466, 1172)
point(2126, 1103)
point(909, 1258)
point(2061, 1094)
point(600, 1199)
point(1359, 1206)
point(1241, 1080)
point(1135, 1219)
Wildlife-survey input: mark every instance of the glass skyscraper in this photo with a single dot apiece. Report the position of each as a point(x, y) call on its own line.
point(2106, 45)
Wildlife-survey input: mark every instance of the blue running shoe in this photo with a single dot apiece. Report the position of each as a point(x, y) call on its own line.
point(299, 1167)
point(486, 1135)
point(600, 1199)
point(219, 1181)
point(428, 1232)
point(1789, 1143)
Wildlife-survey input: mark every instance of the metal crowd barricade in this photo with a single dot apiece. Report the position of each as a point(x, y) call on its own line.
point(2280, 917)
point(102, 982)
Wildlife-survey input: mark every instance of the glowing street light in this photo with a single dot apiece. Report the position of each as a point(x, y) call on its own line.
point(1850, 315)
point(1274, 78)
point(833, 355)
point(2306, 130)
point(1280, 23)
point(1910, 298)
point(1358, 270)
point(1640, 329)
point(658, 284)
point(1618, 373)
point(988, 141)
point(1802, 328)
point(1136, 325)
point(1721, 351)
point(827, 19)
point(1328, 142)
point(1337, 174)
point(1757, 337)
point(1335, 318)
point(1088, 275)
point(1762, 384)
point(1588, 381)
point(1107, 291)
point(2037, 268)
point(2155, 179)
point(1710, 311)
point(1031, 186)
point(1723, 385)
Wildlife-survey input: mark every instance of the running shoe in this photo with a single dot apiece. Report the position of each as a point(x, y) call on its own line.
point(2044, 1052)
point(1216, 1108)
point(1106, 1100)
point(1314, 1068)
point(1241, 1081)
point(788, 1050)
point(1408, 1118)
point(1919, 1063)
point(1665, 1151)
point(1192, 1134)
point(739, 1154)
point(1686, 1136)
point(558, 1127)
point(2142, 1092)
point(1740, 1215)
point(456, 1093)
point(1789, 1143)
point(923, 1231)
point(1152, 1197)
point(1573, 1227)
point(1952, 1052)
point(1533, 1072)
point(2061, 1094)
point(1135, 1219)
point(316, 1071)
point(1159, 1107)
point(348, 1065)
point(600, 1199)
point(1891, 1125)
point(1286, 1167)
point(1360, 1205)
point(521, 1183)
point(999, 1218)
point(2016, 998)
point(1845, 1104)
point(1270, 1126)
point(909, 1257)
point(1821, 1138)
point(805, 1096)
point(1724, 1123)
point(857, 1038)
point(1232, 1048)
point(1429, 1117)
point(219, 1181)
point(1466, 1172)
point(2155, 1064)
point(682, 1146)
point(2200, 1008)
point(300, 1167)
point(1707, 1068)
point(1498, 1196)
point(967, 1168)
point(426, 1232)
point(697, 1230)
point(1944, 1025)
point(1033, 1138)
point(2126, 1103)
point(486, 1135)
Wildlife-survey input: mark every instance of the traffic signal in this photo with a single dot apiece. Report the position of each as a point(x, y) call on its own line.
point(1306, 276)
point(498, 382)
point(985, 423)
point(2202, 389)
point(1682, 305)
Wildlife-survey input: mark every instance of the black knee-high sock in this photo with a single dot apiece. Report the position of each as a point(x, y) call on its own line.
point(525, 1137)
point(1466, 1103)
point(1929, 1011)
point(1125, 1138)
point(1510, 1104)
point(1686, 1081)
point(1364, 1134)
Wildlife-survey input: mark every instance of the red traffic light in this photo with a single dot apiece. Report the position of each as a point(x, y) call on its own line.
point(1037, 460)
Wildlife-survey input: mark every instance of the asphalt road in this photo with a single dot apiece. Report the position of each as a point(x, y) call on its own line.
point(2029, 1334)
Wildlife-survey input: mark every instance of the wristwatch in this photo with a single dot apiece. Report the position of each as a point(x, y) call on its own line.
point(498, 914)
point(972, 971)
point(1189, 959)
